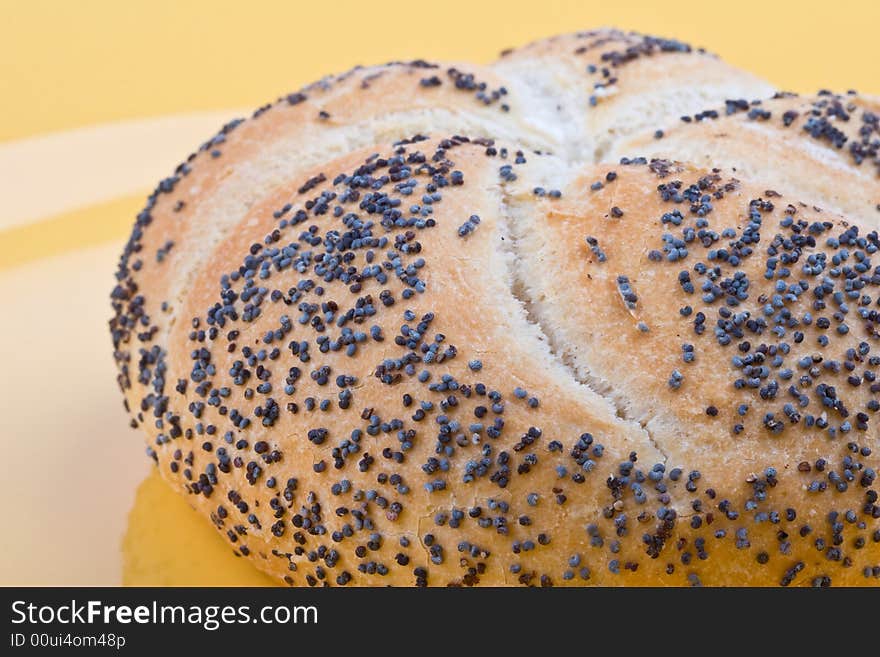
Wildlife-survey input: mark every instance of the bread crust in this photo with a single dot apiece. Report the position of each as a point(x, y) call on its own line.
point(824, 148)
point(742, 396)
point(600, 86)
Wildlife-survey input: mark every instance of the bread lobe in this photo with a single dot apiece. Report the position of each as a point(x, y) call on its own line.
point(600, 86)
point(822, 149)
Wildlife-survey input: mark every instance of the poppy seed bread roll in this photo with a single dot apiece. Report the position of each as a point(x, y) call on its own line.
point(379, 352)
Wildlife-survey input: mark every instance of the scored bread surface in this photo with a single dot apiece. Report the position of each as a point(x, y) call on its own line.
point(401, 328)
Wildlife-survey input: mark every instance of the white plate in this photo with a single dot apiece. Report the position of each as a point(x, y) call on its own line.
point(70, 463)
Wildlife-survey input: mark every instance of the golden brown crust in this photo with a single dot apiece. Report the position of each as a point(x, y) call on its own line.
point(304, 436)
point(736, 327)
point(406, 364)
point(191, 211)
point(824, 149)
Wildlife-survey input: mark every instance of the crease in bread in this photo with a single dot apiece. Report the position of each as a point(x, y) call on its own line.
point(457, 360)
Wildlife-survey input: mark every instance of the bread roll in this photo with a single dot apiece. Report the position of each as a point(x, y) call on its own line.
point(460, 360)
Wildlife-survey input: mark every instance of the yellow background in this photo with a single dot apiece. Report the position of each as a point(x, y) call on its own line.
point(99, 98)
